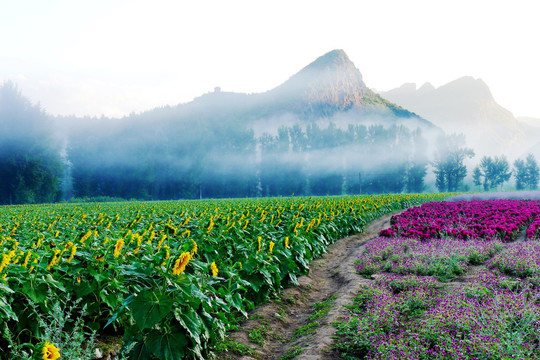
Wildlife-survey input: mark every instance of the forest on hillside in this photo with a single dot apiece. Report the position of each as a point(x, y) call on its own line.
point(157, 155)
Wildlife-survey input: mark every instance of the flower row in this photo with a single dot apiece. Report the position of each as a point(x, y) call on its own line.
point(444, 259)
point(533, 231)
point(490, 219)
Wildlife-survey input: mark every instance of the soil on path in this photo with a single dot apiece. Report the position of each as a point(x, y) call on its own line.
point(290, 323)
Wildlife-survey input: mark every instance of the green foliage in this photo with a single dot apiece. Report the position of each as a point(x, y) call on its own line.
point(229, 345)
point(95, 199)
point(449, 157)
point(527, 173)
point(149, 308)
point(122, 261)
point(307, 329)
point(379, 309)
point(292, 353)
point(63, 326)
point(259, 334)
point(494, 171)
point(322, 308)
point(30, 164)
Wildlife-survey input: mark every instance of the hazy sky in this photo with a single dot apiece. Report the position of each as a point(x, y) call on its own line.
point(116, 57)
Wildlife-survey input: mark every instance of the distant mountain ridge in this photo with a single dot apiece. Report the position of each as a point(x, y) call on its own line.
point(467, 106)
point(329, 86)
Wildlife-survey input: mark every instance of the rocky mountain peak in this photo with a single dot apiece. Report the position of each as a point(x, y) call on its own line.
point(331, 81)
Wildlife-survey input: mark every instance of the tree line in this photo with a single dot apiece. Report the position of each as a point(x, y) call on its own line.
point(30, 161)
point(493, 172)
point(161, 155)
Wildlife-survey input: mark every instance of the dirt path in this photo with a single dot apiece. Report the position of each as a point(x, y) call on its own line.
point(290, 328)
point(291, 324)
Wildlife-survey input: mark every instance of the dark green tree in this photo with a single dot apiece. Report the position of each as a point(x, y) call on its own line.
point(30, 163)
point(533, 171)
point(492, 172)
point(325, 164)
point(449, 167)
point(527, 173)
point(520, 173)
point(477, 176)
point(417, 168)
point(388, 160)
point(268, 164)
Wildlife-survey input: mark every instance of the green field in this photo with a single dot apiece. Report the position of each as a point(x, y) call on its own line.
point(170, 278)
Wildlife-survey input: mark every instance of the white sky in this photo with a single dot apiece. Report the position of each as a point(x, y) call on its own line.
point(116, 57)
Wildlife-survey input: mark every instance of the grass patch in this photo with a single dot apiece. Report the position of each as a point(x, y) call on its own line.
point(306, 329)
point(322, 308)
point(256, 317)
point(292, 353)
point(235, 347)
point(290, 300)
point(259, 334)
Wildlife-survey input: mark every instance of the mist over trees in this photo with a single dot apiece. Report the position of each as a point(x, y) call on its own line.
point(492, 172)
point(30, 162)
point(152, 157)
point(198, 151)
point(450, 169)
point(330, 160)
point(322, 132)
point(527, 173)
point(144, 159)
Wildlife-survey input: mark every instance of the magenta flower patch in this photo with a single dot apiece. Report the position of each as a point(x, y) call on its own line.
point(465, 220)
point(409, 310)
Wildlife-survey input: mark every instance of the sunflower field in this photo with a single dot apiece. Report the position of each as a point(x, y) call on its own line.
point(170, 277)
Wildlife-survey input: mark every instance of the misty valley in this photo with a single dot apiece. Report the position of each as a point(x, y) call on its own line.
point(323, 132)
point(146, 159)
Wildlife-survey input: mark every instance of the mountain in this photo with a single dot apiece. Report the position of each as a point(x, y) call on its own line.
point(527, 120)
point(320, 132)
point(327, 88)
point(330, 89)
point(331, 81)
point(467, 106)
point(330, 84)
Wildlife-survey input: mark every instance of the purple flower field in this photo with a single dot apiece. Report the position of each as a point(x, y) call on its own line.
point(488, 219)
point(533, 231)
point(409, 310)
point(486, 318)
point(444, 258)
point(521, 260)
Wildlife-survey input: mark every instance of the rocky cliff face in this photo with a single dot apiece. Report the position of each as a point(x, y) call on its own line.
point(332, 80)
point(332, 84)
point(327, 88)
